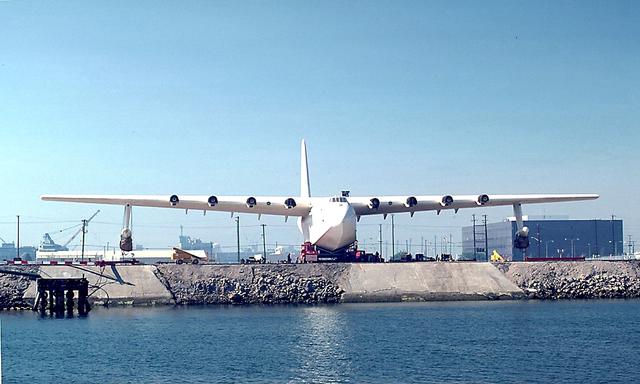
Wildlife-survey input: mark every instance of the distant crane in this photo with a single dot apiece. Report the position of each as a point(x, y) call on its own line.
point(49, 245)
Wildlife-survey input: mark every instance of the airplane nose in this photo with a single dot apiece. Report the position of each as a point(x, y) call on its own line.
point(341, 230)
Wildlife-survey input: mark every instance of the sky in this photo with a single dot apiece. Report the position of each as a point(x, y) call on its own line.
point(393, 98)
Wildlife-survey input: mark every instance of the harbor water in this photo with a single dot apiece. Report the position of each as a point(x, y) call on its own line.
point(446, 342)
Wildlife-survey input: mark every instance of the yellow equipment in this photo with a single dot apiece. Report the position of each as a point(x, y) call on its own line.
point(497, 258)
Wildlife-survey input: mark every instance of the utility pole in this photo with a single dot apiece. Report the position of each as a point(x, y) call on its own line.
point(486, 239)
point(380, 238)
point(450, 244)
point(629, 245)
point(264, 243)
point(84, 231)
point(18, 238)
point(435, 245)
point(393, 238)
point(238, 235)
point(613, 236)
point(595, 226)
point(538, 236)
point(474, 236)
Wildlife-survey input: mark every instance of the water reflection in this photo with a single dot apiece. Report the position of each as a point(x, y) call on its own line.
point(322, 349)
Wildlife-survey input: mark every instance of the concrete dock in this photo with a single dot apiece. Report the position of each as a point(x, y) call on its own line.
point(123, 284)
point(427, 282)
point(334, 282)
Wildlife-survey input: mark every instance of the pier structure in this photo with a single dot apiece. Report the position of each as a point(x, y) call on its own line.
point(57, 295)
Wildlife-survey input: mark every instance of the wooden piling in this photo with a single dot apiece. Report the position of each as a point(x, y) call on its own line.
point(59, 294)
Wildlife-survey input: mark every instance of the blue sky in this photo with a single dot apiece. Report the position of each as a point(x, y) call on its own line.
point(392, 97)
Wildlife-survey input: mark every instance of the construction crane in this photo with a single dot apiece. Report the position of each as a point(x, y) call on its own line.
point(49, 245)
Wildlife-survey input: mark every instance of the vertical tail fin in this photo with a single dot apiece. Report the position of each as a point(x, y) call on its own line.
point(304, 171)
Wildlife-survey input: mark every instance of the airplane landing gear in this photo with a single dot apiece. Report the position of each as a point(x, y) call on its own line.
point(521, 240)
point(126, 238)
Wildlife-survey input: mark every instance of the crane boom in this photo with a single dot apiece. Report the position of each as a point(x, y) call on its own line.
point(81, 229)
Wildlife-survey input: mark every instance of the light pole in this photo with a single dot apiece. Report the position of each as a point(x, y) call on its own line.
point(238, 235)
point(18, 238)
point(380, 238)
point(393, 238)
point(84, 232)
point(539, 242)
point(264, 244)
point(573, 249)
point(613, 236)
point(546, 247)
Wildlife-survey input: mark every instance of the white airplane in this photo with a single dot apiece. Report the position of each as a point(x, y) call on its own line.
point(328, 224)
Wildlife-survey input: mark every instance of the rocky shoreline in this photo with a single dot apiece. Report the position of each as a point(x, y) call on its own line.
point(13, 287)
point(253, 284)
point(576, 280)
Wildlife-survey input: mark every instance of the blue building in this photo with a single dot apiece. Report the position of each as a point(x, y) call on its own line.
point(548, 238)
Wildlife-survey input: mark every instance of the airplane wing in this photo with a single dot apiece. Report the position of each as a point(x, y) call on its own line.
point(398, 204)
point(261, 205)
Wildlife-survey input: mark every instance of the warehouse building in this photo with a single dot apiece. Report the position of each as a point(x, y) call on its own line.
point(549, 238)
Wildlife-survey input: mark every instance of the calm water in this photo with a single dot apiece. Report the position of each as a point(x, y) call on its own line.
point(485, 342)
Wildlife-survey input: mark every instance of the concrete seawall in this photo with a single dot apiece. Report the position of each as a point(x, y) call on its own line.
point(112, 285)
point(426, 282)
point(333, 283)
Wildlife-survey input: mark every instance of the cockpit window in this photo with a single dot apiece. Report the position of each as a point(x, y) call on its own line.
point(338, 200)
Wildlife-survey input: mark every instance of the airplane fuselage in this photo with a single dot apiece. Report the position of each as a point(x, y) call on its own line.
point(330, 224)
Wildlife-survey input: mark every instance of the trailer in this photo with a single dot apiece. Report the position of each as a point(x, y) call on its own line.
point(180, 256)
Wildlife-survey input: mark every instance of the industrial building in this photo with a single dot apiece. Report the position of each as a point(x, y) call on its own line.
point(549, 238)
point(8, 251)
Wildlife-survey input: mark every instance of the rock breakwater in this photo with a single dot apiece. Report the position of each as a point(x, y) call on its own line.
point(576, 280)
point(13, 287)
point(253, 284)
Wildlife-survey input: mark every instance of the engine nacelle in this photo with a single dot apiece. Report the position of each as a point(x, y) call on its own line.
point(411, 202)
point(126, 240)
point(374, 203)
point(212, 201)
point(251, 202)
point(290, 203)
point(446, 201)
point(174, 200)
point(522, 239)
point(482, 199)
